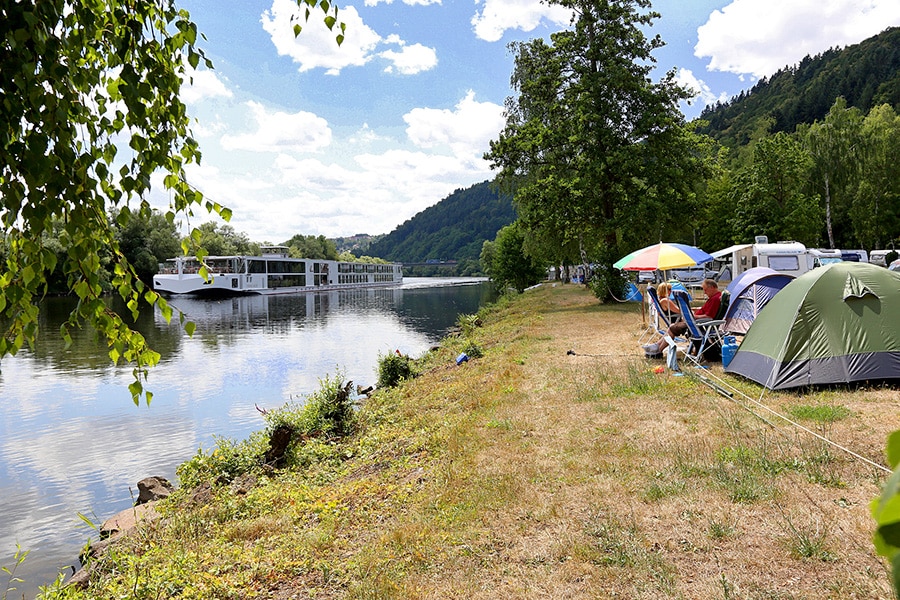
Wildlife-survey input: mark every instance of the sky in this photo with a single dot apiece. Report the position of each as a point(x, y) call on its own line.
point(300, 136)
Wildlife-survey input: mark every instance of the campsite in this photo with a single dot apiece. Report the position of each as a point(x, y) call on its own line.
point(559, 464)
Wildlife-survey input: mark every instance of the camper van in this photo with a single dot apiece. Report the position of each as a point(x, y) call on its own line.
point(791, 258)
point(855, 255)
point(876, 257)
point(822, 257)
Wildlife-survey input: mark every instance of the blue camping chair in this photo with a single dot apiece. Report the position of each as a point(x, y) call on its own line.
point(703, 335)
point(660, 319)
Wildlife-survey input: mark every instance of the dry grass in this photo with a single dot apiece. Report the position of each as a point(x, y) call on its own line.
point(536, 473)
point(592, 476)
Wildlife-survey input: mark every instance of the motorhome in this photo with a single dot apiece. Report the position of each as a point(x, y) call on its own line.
point(791, 258)
point(877, 257)
point(855, 255)
point(822, 257)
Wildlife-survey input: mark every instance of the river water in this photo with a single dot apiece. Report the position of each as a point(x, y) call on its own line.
point(73, 443)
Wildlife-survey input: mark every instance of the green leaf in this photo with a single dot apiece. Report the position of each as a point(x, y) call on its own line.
point(28, 274)
point(135, 388)
point(189, 328)
point(893, 449)
point(297, 29)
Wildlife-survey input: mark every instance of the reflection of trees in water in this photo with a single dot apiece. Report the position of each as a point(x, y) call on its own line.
point(431, 311)
point(434, 311)
point(87, 351)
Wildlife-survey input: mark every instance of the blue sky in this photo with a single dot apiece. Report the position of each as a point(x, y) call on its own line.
point(302, 136)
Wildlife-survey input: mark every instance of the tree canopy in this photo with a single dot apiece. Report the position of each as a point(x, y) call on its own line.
point(594, 152)
point(90, 112)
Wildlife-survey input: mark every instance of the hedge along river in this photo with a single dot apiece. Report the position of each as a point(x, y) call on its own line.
point(73, 442)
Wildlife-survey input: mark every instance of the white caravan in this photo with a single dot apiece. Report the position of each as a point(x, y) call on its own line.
point(791, 258)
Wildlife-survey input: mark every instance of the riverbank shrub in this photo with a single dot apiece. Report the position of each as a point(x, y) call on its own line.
point(394, 368)
point(326, 414)
point(227, 461)
point(468, 323)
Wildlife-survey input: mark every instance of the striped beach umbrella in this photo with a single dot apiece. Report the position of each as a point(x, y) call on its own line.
point(663, 256)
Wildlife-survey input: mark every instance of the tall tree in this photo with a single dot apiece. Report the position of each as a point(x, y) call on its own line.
point(89, 111)
point(875, 210)
point(835, 148)
point(512, 266)
point(590, 140)
point(768, 195)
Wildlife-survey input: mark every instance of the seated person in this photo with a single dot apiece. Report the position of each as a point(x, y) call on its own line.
point(669, 306)
point(707, 312)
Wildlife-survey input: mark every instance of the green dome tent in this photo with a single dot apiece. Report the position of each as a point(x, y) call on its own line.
point(835, 324)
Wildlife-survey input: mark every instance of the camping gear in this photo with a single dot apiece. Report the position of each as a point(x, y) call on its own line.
point(836, 324)
point(632, 293)
point(703, 335)
point(750, 292)
point(729, 348)
point(663, 257)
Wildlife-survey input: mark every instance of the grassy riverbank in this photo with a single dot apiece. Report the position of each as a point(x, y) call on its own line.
point(532, 472)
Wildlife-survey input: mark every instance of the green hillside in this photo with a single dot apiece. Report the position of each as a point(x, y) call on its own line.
point(866, 75)
point(454, 229)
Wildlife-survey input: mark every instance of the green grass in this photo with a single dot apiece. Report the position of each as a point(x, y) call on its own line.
point(822, 413)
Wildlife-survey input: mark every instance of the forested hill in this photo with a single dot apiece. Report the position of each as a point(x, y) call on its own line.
point(453, 229)
point(866, 75)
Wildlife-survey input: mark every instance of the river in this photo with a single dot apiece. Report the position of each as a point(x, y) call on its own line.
point(73, 443)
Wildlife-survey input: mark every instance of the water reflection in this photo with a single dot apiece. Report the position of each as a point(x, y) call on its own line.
point(71, 440)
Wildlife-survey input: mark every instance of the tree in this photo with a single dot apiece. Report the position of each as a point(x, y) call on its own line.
point(223, 240)
point(590, 141)
point(90, 111)
point(875, 210)
point(835, 148)
point(511, 264)
point(311, 246)
point(147, 241)
point(768, 196)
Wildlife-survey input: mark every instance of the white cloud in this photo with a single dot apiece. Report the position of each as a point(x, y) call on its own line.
point(281, 132)
point(315, 47)
point(466, 130)
point(759, 37)
point(497, 16)
point(362, 179)
point(701, 91)
point(202, 85)
point(410, 59)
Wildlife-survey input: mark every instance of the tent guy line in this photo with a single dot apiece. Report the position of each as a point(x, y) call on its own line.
point(819, 436)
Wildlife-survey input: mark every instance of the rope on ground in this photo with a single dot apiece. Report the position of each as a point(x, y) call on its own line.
point(573, 353)
point(797, 425)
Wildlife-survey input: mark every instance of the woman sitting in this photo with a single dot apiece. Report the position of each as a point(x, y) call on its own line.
point(669, 306)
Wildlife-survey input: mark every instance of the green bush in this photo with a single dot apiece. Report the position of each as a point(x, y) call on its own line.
point(394, 368)
point(608, 284)
point(227, 461)
point(468, 323)
point(327, 413)
point(472, 349)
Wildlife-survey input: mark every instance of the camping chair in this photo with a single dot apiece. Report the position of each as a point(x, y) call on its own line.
point(702, 335)
point(659, 319)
